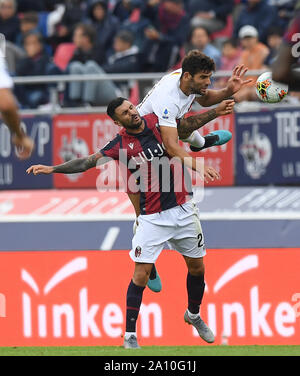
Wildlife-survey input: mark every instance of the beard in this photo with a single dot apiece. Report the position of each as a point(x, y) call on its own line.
point(135, 125)
point(198, 90)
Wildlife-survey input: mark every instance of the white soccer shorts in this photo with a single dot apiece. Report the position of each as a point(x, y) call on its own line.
point(179, 226)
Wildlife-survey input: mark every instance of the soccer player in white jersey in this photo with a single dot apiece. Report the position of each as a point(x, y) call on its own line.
point(10, 116)
point(172, 97)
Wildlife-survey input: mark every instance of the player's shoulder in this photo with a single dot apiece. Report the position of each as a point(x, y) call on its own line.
point(176, 73)
point(151, 120)
point(171, 79)
point(115, 142)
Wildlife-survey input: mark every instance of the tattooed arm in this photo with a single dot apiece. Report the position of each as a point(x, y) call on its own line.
point(70, 167)
point(189, 124)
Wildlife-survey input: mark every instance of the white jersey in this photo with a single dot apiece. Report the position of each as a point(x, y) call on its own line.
point(167, 101)
point(6, 81)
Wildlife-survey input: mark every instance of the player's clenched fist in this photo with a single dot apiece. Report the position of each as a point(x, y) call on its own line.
point(25, 146)
point(40, 169)
point(225, 107)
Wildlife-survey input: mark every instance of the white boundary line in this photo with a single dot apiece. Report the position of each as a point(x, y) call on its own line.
point(224, 216)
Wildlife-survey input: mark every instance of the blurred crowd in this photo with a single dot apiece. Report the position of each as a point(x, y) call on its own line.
point(49, 37)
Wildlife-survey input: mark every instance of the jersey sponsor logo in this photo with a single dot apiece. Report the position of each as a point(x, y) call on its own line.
point(166, 114)
point(131, 145)
point(142, 157)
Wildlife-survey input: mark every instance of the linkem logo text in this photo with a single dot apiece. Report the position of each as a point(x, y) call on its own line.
point(2, 305)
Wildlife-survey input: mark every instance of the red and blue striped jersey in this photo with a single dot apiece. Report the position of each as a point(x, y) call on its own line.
point(163, 182)
point(291, 36)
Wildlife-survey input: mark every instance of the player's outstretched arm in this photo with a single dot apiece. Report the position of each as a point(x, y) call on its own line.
point(70, 167)
point(234, 84)
point(190, 124)
point(170, 140)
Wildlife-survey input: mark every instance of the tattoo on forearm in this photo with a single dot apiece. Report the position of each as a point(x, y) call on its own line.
point(188, 125)
point(71, 167)
point(77, 165)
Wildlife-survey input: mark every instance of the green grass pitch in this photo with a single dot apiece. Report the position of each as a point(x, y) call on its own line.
point(154, 351)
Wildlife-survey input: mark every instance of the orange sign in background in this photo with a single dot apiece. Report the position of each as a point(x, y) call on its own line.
point(78, 298)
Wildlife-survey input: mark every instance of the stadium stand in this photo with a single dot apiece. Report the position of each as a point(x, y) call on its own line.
point(161, 27)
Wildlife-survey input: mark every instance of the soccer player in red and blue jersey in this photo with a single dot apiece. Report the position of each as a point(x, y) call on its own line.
point(168, 212)
point(286, 66)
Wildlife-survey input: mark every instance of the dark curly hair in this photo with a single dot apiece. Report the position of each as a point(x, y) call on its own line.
point(113, 105)
point(196, 61)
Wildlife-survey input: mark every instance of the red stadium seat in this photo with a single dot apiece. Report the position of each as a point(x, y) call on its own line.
point(63, 55)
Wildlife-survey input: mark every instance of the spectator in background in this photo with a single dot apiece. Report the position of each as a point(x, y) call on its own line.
point(28, 23)
point(124, 8)
point(36, 63)
point(253, 56)
point(9, 21)
point(231, 55)
point(274, 39)
point(125, 57)
point(210, 14)
point(105, 24)
point(259, 14)
point(74, 13)
point(165, 34)
point(37, 5)
point(285, 11)
point(200, 40)
point(84, 38)
point(87, 59)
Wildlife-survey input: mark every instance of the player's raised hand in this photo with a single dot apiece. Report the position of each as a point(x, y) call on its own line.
point(225, 107)
point(210, 174)
point(237, 81)
point(39, 169)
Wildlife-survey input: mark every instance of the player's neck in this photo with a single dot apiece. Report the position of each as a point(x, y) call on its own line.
point(185, 88)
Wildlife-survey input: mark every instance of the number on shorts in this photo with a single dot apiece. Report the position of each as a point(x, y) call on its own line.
point(200, 238)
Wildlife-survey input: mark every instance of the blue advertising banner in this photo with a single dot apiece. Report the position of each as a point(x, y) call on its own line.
point(267, 147)
point(12, 170)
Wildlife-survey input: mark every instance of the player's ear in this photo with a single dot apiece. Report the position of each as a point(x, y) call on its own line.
point(118, 123)
point(187, 76)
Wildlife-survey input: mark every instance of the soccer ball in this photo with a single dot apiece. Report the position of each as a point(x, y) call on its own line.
point(268, 90)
